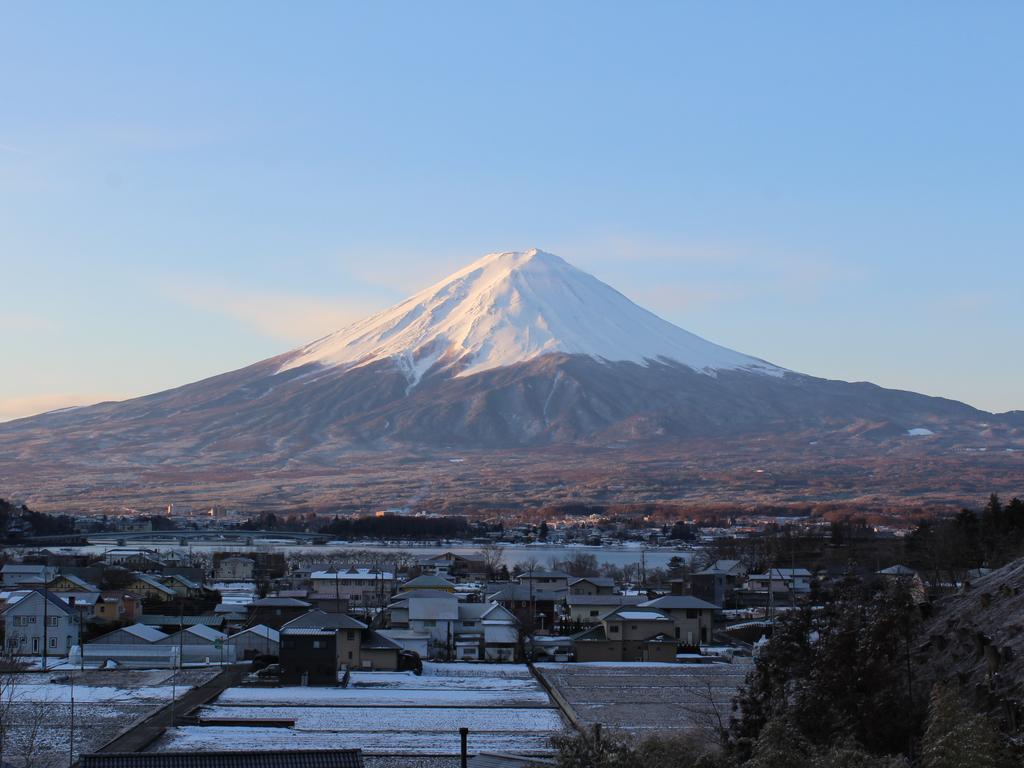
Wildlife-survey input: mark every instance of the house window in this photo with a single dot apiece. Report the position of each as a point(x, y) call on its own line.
point(469, 623)
point(429, 623)
point(317, 644)
point(53, 642)
point(614, 628)
point(20, 621)
point(594, 613)
point(691, 613)
point(52, 621)
point(351, 635)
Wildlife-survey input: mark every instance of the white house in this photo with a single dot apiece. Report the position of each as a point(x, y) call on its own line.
point(18, 574)
point(38, 621)
point(456, 629)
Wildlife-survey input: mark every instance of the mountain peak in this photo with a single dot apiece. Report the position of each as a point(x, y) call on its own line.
point(510, 307)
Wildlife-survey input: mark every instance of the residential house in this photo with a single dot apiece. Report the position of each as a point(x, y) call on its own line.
point(236, 569)
point(533, 607)
point(274, 612)
point(546, 581)
point(354, 644)
point(134, 559)
point(39, 621)
point(908, 576)
point(67, 582)
point(28, 575)
point(693, 618)
point(454, 567)
point(588, 609)
point(409, 640)
point(151, 588)
point(182, 585)
point(84, 603)
point(785, 580)
point(717, 583)
point(255, 641)
point(632, 633)
point(358, 587)
point(591, 586)
point(117, 606)
point(456, 629)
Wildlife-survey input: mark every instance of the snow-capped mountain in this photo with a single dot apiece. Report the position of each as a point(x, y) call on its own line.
point(510, 308)
point(516, 351)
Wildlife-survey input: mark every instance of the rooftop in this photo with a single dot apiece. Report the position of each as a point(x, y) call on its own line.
point(291, 758)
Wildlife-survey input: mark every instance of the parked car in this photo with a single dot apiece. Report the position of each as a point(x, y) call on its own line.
point(263, 661)
point(271, 670)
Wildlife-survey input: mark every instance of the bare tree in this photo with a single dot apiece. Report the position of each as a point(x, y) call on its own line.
point(493, 556)
point(22, 722)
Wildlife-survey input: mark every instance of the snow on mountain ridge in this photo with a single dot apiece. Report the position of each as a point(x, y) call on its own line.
point(511, 307)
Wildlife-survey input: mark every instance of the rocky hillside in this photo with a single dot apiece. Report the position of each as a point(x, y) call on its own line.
point(976, 638)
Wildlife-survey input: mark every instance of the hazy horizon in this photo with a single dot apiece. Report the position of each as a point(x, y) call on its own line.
point(186, 190)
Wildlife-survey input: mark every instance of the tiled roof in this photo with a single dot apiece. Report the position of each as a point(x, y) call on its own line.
point(279, 602)
point(678, 602)
point(597, 581)
point(287, 631)
point(428, 582)
point(291, 758)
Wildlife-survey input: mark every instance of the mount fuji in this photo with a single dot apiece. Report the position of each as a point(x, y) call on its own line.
point(517, 351)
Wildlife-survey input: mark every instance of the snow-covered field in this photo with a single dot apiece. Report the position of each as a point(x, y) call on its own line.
point(394, 713)
point(409, 742)
point(341, 719)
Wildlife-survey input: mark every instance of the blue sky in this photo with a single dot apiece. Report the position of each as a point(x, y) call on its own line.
point(187, 188)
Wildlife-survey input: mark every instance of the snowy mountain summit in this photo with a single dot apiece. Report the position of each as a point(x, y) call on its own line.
point(513, 307)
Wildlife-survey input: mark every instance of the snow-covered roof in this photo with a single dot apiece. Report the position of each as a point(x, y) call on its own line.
point(259, 630)
point(205, 632)
point(633, 614)
point(145, 632)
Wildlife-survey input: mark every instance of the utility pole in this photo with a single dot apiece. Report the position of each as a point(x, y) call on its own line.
point(71, 740)
point(46, 621)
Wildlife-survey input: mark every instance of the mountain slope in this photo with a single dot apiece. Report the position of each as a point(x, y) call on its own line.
point(517, 350)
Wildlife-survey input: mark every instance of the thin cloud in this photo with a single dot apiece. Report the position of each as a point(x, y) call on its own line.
point(291, 318)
